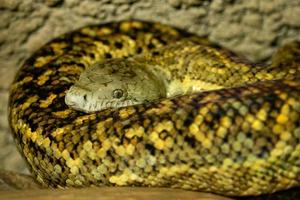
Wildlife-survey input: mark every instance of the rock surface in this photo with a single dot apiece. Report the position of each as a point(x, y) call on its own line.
point(11, 181)
point(16, 186)
point(109, 193)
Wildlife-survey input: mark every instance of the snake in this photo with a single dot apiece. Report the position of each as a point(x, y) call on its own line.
point(236, 134)
point(151, 76)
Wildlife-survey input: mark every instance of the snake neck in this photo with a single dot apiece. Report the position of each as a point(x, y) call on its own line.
point(187, 67)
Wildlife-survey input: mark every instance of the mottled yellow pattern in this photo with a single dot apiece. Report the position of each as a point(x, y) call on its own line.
point(233, 141)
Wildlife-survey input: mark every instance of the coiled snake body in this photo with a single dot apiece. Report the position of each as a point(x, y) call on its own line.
point(232, 141)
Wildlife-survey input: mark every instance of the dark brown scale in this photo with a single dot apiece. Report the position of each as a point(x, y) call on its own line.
point(118, 45)
point(107, 55)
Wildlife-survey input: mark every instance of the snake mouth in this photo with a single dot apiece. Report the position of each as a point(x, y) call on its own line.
point(105, 104)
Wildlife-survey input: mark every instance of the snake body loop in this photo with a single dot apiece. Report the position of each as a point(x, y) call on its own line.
point(232, 141)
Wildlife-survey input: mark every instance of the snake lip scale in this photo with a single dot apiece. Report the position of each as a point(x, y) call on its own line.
point(240, 138)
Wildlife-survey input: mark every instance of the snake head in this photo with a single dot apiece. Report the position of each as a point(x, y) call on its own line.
point(113, 84)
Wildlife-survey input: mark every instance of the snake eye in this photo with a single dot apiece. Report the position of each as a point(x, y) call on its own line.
point(117, 93)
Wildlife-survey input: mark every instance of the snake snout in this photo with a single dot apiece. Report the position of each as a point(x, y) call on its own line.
point(74, 100)
point(70, 100)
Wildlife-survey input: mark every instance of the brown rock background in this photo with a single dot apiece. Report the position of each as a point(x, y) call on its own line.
point(253, 28)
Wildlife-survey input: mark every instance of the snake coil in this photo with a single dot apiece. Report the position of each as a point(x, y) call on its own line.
point(235, 141)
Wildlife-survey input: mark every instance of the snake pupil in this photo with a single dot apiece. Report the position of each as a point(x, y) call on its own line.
point(117, 93)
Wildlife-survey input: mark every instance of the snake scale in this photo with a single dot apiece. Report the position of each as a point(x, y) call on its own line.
point(241, 140)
